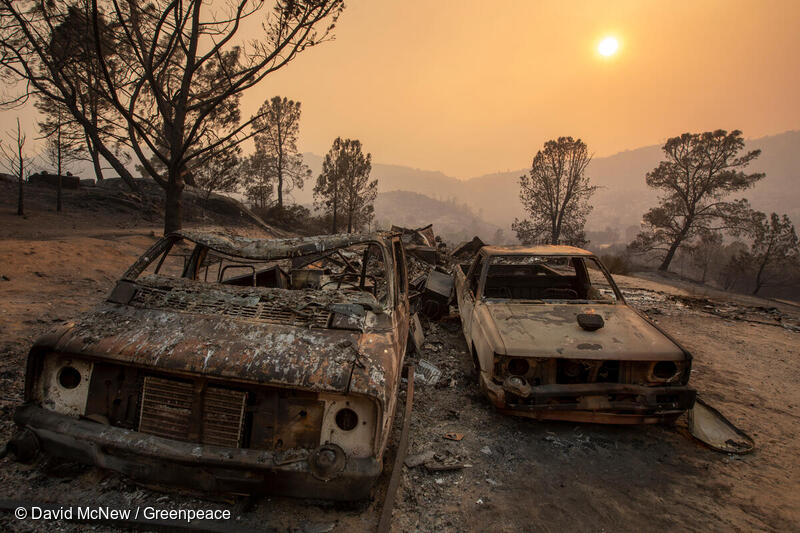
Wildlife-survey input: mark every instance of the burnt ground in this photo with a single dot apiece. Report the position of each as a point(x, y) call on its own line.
point(518, 474)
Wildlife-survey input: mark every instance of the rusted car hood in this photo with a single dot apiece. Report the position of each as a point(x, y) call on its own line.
point(552, 330)
point(234, 348)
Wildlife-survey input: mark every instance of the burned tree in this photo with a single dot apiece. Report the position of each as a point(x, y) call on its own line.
point(50, 48)
point(176, 90)
point(62, 147)
point(276, 142)
point(15, 162)
point(344, 188)
point(72, 51)
point(258, 179)
point(774, 255)
point(220, 173)
point(555, 194)
point(700, 171)
point(706, 251)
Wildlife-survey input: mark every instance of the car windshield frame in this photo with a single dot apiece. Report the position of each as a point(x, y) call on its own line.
point(200, 249)
point(530, 259)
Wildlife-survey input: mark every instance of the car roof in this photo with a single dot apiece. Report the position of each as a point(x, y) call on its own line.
point(269, 249)
point(539, 249)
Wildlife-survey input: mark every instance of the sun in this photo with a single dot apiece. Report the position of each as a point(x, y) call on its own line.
point(608, 46)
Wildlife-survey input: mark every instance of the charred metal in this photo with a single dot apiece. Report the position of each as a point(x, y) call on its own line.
point(552, 338)
point(232, 364)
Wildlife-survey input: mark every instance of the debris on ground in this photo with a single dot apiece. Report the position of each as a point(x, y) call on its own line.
point(467, 250)
point(437, 294)
point(444, 465)
point(413, 461)
point(429, 271)
point(707, 425)
point(416, 334)
point(661, 471)
point(426, 373)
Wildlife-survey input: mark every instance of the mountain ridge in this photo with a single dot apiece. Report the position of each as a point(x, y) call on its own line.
point(619, 203)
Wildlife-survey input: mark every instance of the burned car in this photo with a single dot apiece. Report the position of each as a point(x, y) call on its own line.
point(232, 365)
point(552, 338)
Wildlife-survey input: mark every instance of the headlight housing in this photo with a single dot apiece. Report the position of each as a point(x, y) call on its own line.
point(63, 385)
point(666, 371)
point(351, 423)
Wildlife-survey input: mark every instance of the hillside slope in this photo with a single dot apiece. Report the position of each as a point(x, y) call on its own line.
point(624, 195)
point(453, 222)
point(619, 203)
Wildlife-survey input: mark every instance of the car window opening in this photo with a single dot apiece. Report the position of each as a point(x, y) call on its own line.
point(352, 269)
point(548, 278)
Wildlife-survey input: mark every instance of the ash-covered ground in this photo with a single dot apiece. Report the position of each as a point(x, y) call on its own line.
point(514, 474)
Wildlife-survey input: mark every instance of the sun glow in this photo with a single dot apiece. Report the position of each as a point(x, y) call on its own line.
point(608, 46)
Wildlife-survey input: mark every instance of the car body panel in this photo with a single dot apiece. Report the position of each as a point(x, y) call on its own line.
point(238, 353)
point(547, 335)
point(551, 330)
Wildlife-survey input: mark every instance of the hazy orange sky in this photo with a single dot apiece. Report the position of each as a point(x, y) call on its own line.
point(471, 87)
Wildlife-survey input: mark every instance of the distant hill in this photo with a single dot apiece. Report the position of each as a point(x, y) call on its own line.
point(620, 202)
point(452, 221)
point(431, 183)
point(624, 195)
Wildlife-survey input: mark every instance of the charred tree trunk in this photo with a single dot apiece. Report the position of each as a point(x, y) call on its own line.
point(280, 168)
point(21, 197)
point(173, 214)
point(760, 272)
point(335, 209)
point(670, 255)
point(675, 244)
point(58, 170)
point(98, 169)
point(94, 154)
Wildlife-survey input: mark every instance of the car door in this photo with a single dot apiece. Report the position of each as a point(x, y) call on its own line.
point(467, 295)
point(402, 312)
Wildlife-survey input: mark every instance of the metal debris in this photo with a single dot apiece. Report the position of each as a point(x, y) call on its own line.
point(427, 373)
point(707, 425)
point(207, 358)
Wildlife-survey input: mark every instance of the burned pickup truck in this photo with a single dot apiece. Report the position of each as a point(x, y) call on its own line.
point(552, 338)
point(231, 365)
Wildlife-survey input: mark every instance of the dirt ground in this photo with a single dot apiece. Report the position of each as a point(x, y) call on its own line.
point(519, 474)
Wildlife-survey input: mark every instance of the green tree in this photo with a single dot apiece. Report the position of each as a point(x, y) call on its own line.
point(278, 127)
point(344, 189)
point(555, 194)
point(699, 172)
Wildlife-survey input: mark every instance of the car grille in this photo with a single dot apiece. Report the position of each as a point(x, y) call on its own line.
point(168, 407)
point(263, 311)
